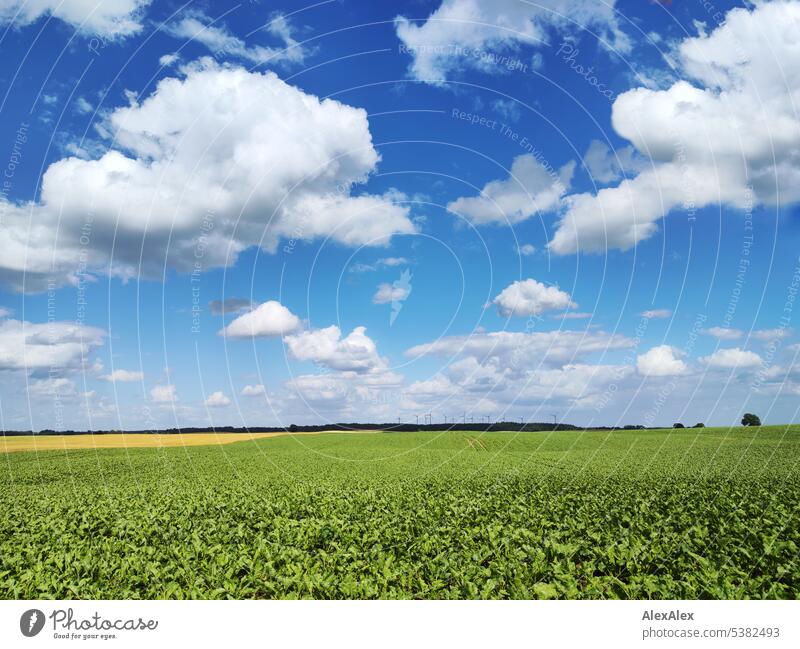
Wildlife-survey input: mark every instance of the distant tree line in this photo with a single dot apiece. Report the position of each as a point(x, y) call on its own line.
point(294, 428)
point(501, 426)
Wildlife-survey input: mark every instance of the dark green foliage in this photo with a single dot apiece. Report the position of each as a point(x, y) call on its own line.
point(640, 514)
point(751, 420)
point(678, 425)
point(700, 425)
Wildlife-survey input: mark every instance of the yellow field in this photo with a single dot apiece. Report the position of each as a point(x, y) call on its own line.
point(122, 440)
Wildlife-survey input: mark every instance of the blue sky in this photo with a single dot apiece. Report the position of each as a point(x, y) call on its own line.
point(348, 211)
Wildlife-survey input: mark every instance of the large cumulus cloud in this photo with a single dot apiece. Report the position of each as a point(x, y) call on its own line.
point(728, 133)
point(211, 163)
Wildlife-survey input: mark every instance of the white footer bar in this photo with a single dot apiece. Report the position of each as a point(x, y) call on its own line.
point(399, 624)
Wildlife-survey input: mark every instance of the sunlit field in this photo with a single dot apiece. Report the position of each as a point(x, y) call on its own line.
point(127, 440)
point(710, 513)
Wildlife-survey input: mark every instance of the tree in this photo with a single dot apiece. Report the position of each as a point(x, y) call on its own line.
point(700, 425)
point(678, 425)
point(751, 420)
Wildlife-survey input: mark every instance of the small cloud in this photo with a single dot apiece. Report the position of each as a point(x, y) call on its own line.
point(194, 25)
point(388, 293)
point(217, 400)
point(771, 334)
point(572, 315)
point(526, 249)
point(385, 262)
point(723, 333)
point(656, 313)
point(4, 312)
point(362, 268)
point(169, 59)
point(253, 390)
point(268, 319)
point(530, 298)
point(508, 108)
point(530, 189)
point(732, 358)
point(122, 376)
point(356, 352)
point(393, 261)
point(164, 394)
point(83, 107)
point(60, 386)
point(661, 361)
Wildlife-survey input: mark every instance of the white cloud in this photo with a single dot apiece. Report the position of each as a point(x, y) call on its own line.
point(209, 164)
point(355, 389)
point(356, 352)
point(123, 376)
point(217, 400)
point(268, 319)
point(82, 106)
point(661, 361)
point(475, 385)
point(4, 312)
point(167, 60)
point(605, 165)
point(732, 358)
point(164, 394)
point(723, 333)
point(656, 313)
point(48, 346)
point(388, 293)
point(392, 261)
point(577, 383)
point(517, 349)
point(530, 188)
point(508, 108)
point(526, 249)
point(478, 33)
point(731, 136)
point(320, 388)
point(572, 315)
point(570, 381)
point(106, 18)
point(61, 387)
point(342, 395)
point(387, 262)
point(253, 390)
point(529, 297)
point(771, 334)
point(196, 26)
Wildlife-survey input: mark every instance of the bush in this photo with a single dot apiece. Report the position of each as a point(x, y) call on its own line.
point(751, 420)
point(678, 425)
point(700, 425)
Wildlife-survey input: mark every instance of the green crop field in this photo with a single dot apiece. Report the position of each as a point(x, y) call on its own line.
point(709, 513)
